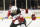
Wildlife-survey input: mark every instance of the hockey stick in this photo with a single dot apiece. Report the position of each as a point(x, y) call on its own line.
point(30, 23)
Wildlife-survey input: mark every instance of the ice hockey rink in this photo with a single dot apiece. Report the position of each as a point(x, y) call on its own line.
point(7, 22)
point(34, 23)
point(32, 5)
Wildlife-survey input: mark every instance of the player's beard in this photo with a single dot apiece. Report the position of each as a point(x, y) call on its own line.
point(12, 14)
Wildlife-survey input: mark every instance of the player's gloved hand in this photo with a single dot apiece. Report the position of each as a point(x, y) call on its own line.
point(33, 17)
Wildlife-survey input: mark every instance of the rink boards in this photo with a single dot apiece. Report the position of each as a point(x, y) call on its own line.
point(36, 12)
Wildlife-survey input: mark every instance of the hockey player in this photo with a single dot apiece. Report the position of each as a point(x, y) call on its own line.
point(9, 11)
point(18, 19)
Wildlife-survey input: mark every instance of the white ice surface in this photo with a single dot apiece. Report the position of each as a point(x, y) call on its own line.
point(7, 22)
